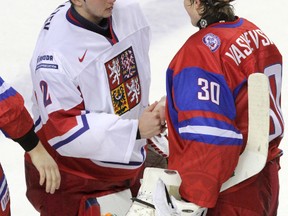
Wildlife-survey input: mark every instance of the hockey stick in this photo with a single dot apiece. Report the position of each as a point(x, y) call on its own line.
point(254, 157)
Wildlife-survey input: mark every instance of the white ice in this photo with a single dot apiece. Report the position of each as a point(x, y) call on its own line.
point(21, 21)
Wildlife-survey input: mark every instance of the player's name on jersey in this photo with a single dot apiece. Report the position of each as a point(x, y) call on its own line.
point(246, 44)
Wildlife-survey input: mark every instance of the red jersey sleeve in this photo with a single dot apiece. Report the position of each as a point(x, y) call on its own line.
point(15, 121)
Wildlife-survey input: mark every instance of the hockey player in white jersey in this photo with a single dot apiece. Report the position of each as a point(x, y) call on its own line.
point(91, 78)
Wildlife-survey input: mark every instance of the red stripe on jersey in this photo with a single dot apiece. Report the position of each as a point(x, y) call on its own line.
point(184, 115)
point(61, 121)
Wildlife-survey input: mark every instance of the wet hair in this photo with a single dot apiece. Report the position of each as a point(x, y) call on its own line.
point(217, 8)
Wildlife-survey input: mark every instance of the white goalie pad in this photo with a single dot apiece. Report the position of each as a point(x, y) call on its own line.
point(154, 200)
point(144, 205)
point(115, 204)
point(167, 205)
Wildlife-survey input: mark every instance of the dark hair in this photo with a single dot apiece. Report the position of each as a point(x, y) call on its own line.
point(217, 8)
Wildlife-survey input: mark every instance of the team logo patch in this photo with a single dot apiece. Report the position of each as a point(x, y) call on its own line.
point(212, 41)
point(124, 81)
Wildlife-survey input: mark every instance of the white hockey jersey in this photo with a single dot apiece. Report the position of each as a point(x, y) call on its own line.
point(90, 90)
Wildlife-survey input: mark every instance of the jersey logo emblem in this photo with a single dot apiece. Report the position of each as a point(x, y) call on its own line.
point(82, 58)
point(124, 82)
point(211, 41)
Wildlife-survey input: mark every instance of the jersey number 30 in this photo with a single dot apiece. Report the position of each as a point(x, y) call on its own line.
point(210, 91)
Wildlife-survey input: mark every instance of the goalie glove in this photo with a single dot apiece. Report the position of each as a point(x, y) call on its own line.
point(159, 144)
point(166, 205)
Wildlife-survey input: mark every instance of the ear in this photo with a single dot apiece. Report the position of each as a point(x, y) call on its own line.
point(197, 3)
point(198, 6)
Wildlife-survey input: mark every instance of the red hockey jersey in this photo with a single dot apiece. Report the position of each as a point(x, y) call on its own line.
point(15, 121)
point(16, 124)
point(208, 107)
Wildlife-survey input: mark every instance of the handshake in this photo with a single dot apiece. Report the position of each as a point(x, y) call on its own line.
point(152, 121)
point(152, 126)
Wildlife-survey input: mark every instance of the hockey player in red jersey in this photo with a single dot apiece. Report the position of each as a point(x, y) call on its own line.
point(16, 124)
point(207, 110)
point(91, 77)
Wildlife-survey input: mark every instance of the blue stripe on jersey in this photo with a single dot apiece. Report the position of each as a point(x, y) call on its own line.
point(91, 202)
point(49, 66)
point(171, 109)
point(190, 94)
point(6, 91)
point(211, 131)
point(37, 122)
point(230, 25)
point(197, 89)
point(3, 186)
point(75, 135)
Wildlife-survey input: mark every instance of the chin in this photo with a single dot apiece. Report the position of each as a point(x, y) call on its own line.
point(107, 15)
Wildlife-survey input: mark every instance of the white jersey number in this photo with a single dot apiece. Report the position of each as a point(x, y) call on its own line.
point(210, 91)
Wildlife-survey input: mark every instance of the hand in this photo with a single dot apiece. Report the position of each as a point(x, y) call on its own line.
point(47, 168)
point(149, 122)
point(160, 107)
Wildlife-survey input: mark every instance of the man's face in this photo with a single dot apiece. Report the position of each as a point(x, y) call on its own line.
point(95, 10)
